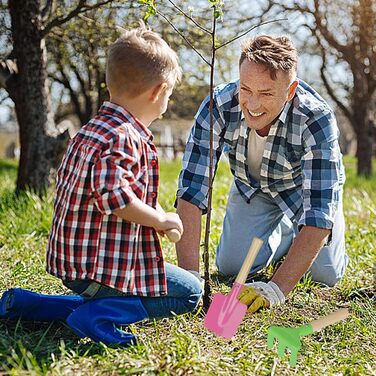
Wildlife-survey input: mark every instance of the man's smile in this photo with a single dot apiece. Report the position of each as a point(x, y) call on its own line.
point(255, 114)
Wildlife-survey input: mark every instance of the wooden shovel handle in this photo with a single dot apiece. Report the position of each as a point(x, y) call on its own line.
point(249, 260)
point(332, 318)
point(173, 235)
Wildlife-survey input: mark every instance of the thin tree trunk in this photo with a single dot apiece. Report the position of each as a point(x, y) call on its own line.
point(361, 106)
point(38, 134)
point(364, 146)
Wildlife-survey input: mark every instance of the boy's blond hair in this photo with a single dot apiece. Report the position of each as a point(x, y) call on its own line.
point(274, 52)
point(138, 60)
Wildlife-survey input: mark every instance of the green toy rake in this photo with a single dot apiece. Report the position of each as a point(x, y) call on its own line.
point(289, 338)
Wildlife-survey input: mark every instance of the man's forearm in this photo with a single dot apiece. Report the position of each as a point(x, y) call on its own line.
point(303, 251)
point(188, 248)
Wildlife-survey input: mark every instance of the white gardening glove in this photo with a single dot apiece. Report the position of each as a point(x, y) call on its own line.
point(198, 276)
point(257, 295)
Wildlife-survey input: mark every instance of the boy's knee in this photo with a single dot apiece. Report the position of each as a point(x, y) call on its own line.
point(192, 302)
point(194, 295)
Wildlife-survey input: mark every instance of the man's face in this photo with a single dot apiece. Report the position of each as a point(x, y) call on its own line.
point(261, 98)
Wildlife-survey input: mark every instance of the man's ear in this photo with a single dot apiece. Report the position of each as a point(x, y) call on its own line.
point(292, 90)
point(157, 91)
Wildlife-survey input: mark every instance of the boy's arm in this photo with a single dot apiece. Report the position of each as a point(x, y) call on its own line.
point(138, 212)
point(159, 208)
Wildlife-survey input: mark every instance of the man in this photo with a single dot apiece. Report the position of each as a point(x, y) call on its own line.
point(282, 144)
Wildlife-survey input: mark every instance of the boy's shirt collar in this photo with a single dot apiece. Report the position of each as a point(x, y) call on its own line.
point(114, 109)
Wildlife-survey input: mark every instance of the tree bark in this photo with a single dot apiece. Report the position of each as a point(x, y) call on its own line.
point(39, 139)
point(363, 132)
point(361, 108)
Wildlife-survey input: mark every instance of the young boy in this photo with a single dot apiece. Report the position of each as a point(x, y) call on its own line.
point(103, 242)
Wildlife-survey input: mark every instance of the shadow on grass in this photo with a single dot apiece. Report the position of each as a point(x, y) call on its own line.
point(34, 346)
point(221, 279)
point(262, 275)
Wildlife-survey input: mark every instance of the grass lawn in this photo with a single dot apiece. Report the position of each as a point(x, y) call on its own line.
point(181, 346)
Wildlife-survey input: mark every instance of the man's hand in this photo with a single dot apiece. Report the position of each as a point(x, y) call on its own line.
point(258, 295)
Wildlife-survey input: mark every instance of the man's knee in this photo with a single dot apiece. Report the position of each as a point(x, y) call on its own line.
point(329, 278)
point(328, 275)
point(227, 266)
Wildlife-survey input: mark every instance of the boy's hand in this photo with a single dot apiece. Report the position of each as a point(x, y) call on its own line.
point(258, 295)
point(169, 221)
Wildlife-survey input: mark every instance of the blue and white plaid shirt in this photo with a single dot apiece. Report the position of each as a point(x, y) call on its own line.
point(301, 167)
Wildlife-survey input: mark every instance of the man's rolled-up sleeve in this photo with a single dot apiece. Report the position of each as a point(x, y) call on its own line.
point(112, 175)
point(193, 185)
point(321, 169)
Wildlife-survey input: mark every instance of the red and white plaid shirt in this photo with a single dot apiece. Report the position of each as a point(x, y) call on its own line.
point(109, 162)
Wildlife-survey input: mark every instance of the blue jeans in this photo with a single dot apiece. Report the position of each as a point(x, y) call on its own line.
point(183, 293)
point(263, 218)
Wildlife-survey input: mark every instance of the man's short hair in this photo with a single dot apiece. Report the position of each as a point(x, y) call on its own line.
point(138, 60)
point(274, 52)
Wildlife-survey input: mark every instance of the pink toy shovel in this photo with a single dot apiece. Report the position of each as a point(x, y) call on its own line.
point(226, 312)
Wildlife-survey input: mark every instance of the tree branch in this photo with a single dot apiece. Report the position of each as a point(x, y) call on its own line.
point(346, 50)
point(328, 86)
point(189, 17)
point(74, 97)
point(48, 9)
point(248, 31)
point(184, 37)
point(3, 99)
point(8, 69)
point(81, 7)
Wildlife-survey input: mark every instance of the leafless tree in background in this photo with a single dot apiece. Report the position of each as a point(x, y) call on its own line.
point(345, 34)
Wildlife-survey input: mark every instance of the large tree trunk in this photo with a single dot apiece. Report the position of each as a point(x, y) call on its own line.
point(39, 139)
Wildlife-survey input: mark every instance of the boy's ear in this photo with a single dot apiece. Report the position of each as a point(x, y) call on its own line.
point(157, 91)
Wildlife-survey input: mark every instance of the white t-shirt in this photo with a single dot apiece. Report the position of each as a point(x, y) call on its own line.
point(256, 146)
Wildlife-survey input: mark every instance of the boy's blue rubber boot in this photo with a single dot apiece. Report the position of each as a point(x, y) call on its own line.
point(98, 318)
point(29, 305)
